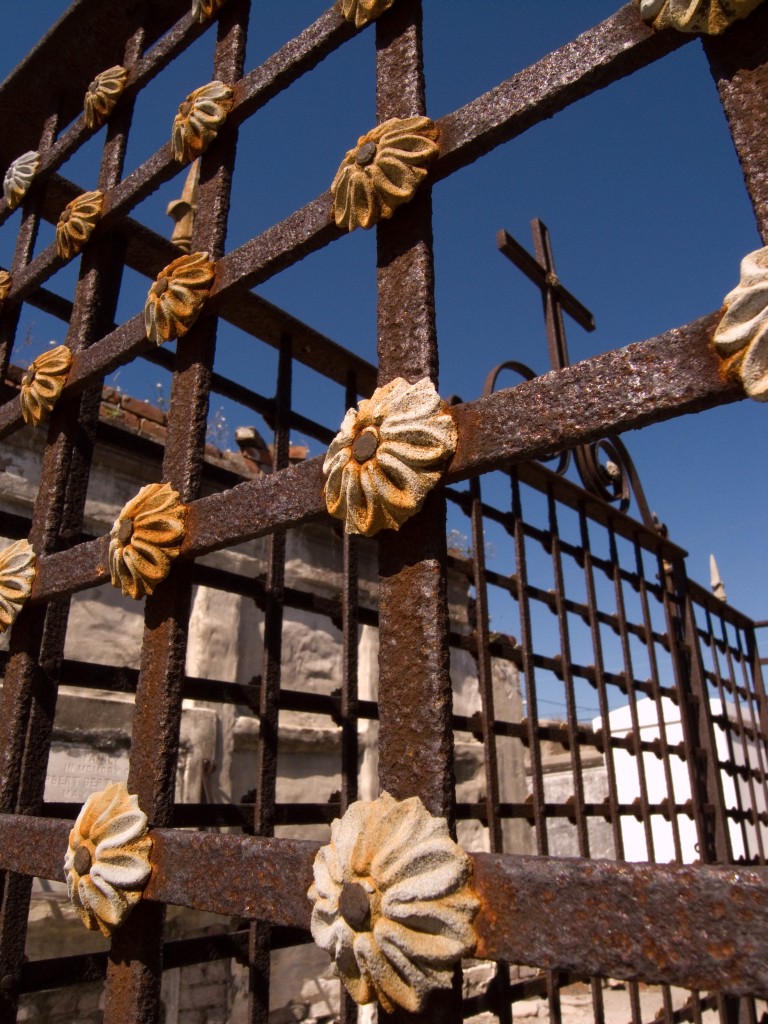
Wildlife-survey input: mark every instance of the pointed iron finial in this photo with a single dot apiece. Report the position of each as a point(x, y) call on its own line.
point(718, 587)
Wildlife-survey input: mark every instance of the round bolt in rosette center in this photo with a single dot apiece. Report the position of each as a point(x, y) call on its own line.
point(82, 861)
point(354, 906)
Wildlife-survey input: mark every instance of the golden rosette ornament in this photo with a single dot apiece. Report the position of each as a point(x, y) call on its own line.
point(177, 297)
point(102, 95)
point(361, 12)
point(107, 863)
point(42, 383)
point(5, 286)
point(145, 539)
point(383, 171)
point(203, 10)
point(19, 177)
point(388, 455)
point(17, 573)
point(392, 902)
point(199, 119)
point(711, 17)
point(741, 337)
point(77, 222)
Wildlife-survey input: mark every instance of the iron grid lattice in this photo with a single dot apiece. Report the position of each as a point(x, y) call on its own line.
point(572, 920)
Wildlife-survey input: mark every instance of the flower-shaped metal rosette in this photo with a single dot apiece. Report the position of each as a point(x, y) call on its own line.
point(199, 119)
point(102, 95)
point(43, 382)
point(77, 222)
point(741, 337)
point(177, 297)
point(17, 572)
point(383, 171)
point(145, 539)
point(107, 862)
point(393, 903)
point(709, 16)
point(388, 455)
point(361, 12)
point(19, 177)
point(203, 10)
point(5, 286)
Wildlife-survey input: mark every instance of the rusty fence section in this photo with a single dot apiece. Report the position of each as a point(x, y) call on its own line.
point(640, 748)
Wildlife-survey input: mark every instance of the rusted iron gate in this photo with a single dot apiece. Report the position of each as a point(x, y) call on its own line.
point(573, 918)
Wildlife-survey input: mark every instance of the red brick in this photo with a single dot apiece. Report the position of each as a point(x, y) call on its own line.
point(127, 420)
point(143, 409)
point(154, 430)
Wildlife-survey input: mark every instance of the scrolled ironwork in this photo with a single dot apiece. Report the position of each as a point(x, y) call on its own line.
point(605, 467)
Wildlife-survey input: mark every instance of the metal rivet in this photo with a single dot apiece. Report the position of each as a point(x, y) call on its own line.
point(365, 446)
point(365, 155)
point(353, 905)
point(93, 87)
point(186, 107)
point(65, 215)
point(29, 378)
point(82, 861)
point(160, 285)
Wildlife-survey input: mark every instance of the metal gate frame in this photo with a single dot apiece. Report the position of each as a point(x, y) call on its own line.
point(589, 918)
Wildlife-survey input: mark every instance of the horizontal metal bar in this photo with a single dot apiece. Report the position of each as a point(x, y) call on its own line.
point(672, 374)
point(700, 927)
point(604, 54)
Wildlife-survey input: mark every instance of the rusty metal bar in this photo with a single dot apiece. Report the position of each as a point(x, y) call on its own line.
point(664, 747)
point(133, 976)
point(739, 64)
point(542, 911)
point(645, 382)
point(269, 699)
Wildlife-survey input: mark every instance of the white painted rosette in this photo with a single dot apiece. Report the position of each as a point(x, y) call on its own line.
point(388, 455)
point(107, 862)
point(392, 902)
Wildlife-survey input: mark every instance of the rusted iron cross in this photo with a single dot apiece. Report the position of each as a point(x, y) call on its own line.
point(557, 299)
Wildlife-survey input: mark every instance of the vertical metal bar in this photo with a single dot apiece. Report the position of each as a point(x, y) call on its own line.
point(629, 681)
point(349, 628)
point(415, 739)
point(571, 715)
point(602, 695)
point(744, 745)
point(695, 715)
point(553, 310)
point(135, 964)
point(269, 703)
point(415, 752)
point(759, 745)
point(728, 731)
point(532, 710)
point(488, 716)
point(657, 698)
point(738, 61)
point(30, 691)
point(577, 777)
point(349, 691)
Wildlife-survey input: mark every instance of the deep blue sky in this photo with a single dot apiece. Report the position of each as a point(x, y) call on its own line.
point(639, 185)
